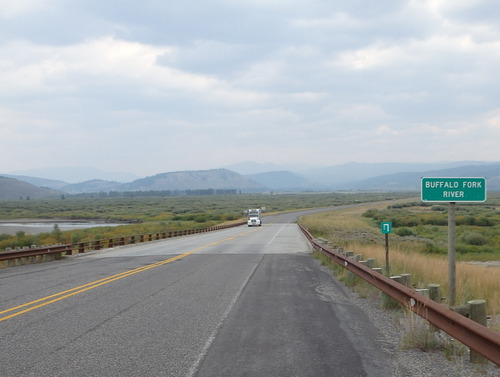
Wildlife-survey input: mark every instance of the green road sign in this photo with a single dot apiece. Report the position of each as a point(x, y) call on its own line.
point(386, 227)
point(453, 189)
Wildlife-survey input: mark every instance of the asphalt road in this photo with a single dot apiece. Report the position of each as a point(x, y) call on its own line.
point(237, 302)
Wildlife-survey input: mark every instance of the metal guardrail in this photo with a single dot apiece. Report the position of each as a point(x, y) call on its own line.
point(477, 337)
point(82, 247)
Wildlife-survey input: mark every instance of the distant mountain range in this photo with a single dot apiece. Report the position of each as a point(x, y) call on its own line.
point(15, 187)
point(351, 176)
point(76, 174)
point(411, 180)
point(368, 176)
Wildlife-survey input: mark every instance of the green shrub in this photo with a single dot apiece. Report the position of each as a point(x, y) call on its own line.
point(438, 208)
point(404, 232)
point(474, 238)
point(371, 213)
point(432, 248)
point(474, 249)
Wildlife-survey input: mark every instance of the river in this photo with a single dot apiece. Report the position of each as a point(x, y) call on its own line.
point(36, 226)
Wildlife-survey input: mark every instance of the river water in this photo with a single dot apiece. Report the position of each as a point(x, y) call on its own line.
point(44, 226)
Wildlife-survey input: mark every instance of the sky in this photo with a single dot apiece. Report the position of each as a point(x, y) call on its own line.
point(153, 86)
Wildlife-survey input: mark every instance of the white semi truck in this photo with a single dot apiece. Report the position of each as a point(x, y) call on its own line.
point(254, 217)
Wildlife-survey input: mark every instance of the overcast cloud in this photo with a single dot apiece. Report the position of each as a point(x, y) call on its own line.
point(152, 86)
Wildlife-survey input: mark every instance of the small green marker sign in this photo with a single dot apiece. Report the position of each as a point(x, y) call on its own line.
point(386, 227)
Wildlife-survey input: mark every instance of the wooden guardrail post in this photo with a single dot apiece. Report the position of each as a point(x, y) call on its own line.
point(423, 291)
point(434, 292)
point(477, 314)
point(406, 280)
point(434, 295)
point(387, 301)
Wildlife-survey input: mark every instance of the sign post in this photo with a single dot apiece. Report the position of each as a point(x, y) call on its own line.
point(452, 268)
point(453, 190)
point(386, 228)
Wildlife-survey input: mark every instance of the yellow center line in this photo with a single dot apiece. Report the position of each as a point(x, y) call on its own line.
point(89, 286)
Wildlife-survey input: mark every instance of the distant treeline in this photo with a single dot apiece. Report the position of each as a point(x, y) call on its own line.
point(162, 193)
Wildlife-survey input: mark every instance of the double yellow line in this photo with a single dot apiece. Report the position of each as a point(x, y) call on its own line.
point(36, 304)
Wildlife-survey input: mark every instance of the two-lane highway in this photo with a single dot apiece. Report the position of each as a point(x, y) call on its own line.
point(237, 302)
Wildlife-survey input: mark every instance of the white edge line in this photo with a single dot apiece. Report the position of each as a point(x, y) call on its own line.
point(194, 368)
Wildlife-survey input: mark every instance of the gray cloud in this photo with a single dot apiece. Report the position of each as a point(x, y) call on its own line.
point(154, 85)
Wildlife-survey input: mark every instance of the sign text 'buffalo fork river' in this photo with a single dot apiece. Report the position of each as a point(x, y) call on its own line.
point(453, 189)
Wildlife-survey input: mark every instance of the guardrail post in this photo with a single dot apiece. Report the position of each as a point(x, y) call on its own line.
point(406, 279)
point(434, 295)
point(110, 243)
point(423, 291)
point(132, 240)
point(69, 251)
point(387, 301)
point(477, 314)
point(81, 247)
point(434, 292)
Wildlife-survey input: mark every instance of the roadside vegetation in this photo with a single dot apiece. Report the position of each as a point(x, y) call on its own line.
point(418, 244)
point(150, 214)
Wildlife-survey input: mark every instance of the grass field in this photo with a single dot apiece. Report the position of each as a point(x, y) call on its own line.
point(144, 215)
point(354, 230)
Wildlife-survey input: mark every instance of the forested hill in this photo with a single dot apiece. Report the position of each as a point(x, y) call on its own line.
point(215, 179)
point(194, 180)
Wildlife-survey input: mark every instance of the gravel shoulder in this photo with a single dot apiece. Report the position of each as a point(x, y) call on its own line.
point(398, 327)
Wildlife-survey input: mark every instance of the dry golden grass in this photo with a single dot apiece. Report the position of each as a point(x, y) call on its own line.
point(347, 228)
point(473, 281)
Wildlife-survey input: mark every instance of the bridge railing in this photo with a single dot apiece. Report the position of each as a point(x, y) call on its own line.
point(46, 253)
